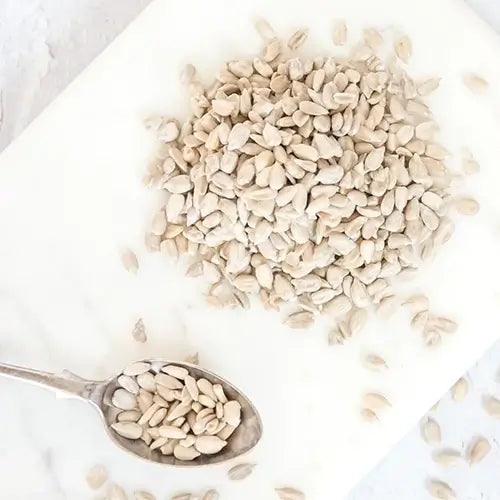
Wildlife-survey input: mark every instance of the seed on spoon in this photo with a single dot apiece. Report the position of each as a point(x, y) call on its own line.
point(124, 400)
point(182, 453)
point(128, 430)
point(136, 368)
point(175, 371)
point(209, 444)
point(171, 432)
point(169, 409)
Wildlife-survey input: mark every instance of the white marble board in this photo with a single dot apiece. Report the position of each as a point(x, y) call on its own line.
point(71, 198)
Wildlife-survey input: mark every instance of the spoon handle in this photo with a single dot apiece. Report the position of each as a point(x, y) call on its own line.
point(66, 382)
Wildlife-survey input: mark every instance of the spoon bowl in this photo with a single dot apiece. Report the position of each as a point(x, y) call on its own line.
point(99, 394)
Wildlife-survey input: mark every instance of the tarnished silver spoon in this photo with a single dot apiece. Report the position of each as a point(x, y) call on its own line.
point(99, 394)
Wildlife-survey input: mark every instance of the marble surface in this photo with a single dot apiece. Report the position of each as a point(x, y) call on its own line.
point(43, 263)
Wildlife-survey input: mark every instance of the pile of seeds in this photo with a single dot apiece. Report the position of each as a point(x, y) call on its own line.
point(313, 181)
point(173, 412)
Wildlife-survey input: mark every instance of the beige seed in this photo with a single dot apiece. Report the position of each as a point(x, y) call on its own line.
point(175, 371)
point(264, 29)
point(447, 458)
point(375, 362)
point(115, 492)
point(123, 399)
point(440, 490)
point(96, 476)
point(466, 206)
point(139, 331)
point(143, 495)
point(187, 454)
point(182, 496)
point(368, 415)
point(192, 387)
point(428, 86)
point(210, 495)
point(478, 450)
point(475, 83)
point(403, 48)
point(469, 164)
point(373, 38)
point(240, 471)
point(340, 33)
point(375, 401)
point(417, 303)
point(431, 431)
point(129, 261)
point(492, 406)
point(232, 413)
point(289, 493)
point(209, 445)
point(297, 39)
point(128, 430)
point(238, 136)
point(299, 320)
point(459, 389)
point(128, 383)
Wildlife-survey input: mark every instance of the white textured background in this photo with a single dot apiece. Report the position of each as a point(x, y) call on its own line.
point(44, 44)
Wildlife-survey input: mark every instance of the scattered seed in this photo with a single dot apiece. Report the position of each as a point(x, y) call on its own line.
point(469, 164)
point(459, 389)
point(289, 493)
point(139, 331)
point(143, 495)
point(297, 39)
point(240, 471)
point(375, 362)
point(210, 495)
point(129, 261)
point(492, 406)
point(375, 401)
point(403, 48)
point(96, 477)
point(340, 33)
point(466, 206)
point(440, 490)
point(368, 415)
point(116, 492)
point(475, 83)
point(264, 29)
point(478, 450)
point(447, 458)
point(431, 432)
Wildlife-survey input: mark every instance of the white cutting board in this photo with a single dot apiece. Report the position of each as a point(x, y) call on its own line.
point(71, 198)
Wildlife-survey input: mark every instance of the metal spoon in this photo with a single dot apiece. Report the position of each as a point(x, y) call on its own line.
point(99, 394)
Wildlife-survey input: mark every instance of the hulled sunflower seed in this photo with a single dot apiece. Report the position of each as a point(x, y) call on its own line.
point(475, 83)
point(492, 406)
point(403, 48)
point(375, 362)
point(129, 261)
point(478, 450)
point(440, 490)
point(459, 389)
point(289, 493)
point(116, 492)
point(447, 458)
point(340, 33)
point(431, 431)
point(139, 331)
point(143, 495)
point(240, 471)
point(210, 495)
point(297, 39)
point(96, 477)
